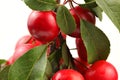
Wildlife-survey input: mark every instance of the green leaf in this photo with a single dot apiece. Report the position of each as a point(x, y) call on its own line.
point(39, 68)
point(67, 57)
point(48, 71)
point(112, 9)
point(24, 68)
point(91, 4)
point(65, 54)
point(96, 42)
point(41, 4)
point(54, 59)
point(89, 0)
point(65, 20)
point(2, 61)
point(4, 73)
point(98, 12)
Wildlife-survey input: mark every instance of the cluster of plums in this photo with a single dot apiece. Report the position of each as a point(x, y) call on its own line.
point(44, 29)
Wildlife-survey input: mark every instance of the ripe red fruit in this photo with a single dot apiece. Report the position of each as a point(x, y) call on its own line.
point(67, 74)
point(82, 52)
point(22, 49)
point(27, 39)
point(23, 45)
point(43, 26)
point(101, 70)
point(80, 13)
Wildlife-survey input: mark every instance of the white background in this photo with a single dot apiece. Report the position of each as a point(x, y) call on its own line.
point(13, 25)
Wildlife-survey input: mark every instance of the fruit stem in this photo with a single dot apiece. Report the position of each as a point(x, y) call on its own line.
point(70, 3)
point(65, 1)
point(73, 48)
point(75, 2)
